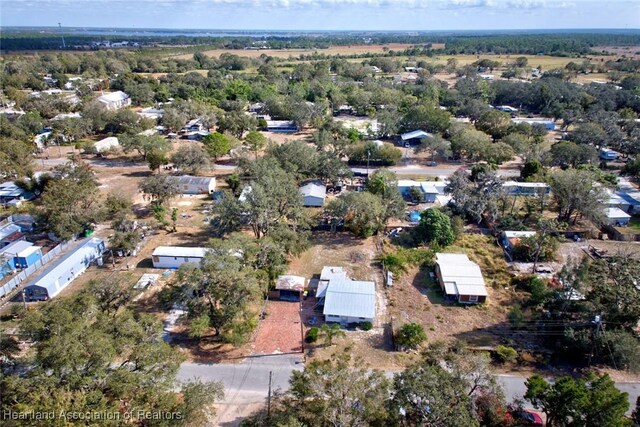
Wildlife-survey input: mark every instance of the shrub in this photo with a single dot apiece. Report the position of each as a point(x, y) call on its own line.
point(516, 317)
point(312, 335)
point(366, 326)
point(411, 335)
point(397, 262)
point(505, 354)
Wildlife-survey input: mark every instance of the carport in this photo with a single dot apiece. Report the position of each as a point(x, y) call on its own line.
point(290, 288)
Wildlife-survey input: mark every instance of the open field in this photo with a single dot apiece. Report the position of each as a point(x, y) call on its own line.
point(293, 53)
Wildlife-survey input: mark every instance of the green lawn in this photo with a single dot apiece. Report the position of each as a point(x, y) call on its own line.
point(635, 224)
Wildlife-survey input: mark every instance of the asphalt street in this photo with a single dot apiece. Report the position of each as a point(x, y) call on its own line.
point(247, 382)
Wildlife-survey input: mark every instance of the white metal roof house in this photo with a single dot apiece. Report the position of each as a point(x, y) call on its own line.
point(313, 194)
point(617, 217)
point(460, 278)
point(175, 256)
point(114, 100)
point(345, 300)
point(632, 197)
point(350, 301)
point(430, 189)
point(195, 184)
point(151, 113)
point(415, 136)
point(10, 193)
point(106, 144)
point(526, 188)
point(10, 233)
point(548, 124)
point(58, 275)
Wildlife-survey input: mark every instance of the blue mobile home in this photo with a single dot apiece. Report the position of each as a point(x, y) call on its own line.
point(23, 254)
point(28, 257)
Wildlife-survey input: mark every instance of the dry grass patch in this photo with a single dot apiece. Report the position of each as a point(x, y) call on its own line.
point(487, 254)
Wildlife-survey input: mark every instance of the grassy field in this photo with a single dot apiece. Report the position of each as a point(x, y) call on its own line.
point(293, 53)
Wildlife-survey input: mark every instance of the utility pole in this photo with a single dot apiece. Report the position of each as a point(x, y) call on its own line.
point(301, 325)
point(269, 397)
point(597, 321)
point(368, 158)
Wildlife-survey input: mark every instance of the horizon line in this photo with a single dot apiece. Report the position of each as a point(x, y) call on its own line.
point(328, 30)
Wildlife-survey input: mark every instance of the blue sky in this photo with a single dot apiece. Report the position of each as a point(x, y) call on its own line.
point(324, 14)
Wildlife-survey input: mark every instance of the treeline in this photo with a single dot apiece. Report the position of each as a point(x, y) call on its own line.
point(569, 44)
point(548, 44)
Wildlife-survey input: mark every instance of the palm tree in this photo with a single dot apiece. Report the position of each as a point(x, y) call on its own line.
point(329, 332)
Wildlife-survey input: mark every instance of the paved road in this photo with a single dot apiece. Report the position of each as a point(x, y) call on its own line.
point(514, 387)
point(246, 383)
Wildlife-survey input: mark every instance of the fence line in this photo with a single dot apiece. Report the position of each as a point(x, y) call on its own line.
point(25, 273)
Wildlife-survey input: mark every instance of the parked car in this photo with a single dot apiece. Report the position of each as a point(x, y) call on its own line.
point(523, 418)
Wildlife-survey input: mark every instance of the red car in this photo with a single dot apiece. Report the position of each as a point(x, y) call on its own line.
point(523, 418)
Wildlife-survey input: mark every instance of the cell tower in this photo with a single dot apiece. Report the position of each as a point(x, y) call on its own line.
point(64, 46)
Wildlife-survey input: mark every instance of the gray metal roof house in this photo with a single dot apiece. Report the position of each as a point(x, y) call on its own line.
point(58, 275)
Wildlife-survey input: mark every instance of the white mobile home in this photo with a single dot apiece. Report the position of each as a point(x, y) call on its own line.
point(175, 256)
point(195, 184)
point(58, 276)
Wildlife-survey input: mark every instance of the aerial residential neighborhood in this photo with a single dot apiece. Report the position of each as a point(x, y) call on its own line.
point(317, 227)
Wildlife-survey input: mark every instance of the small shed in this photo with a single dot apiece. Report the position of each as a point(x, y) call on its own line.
point(313, 194)
point(617, 217)
point(195, 184)
point(290, 288)
point(59, 274)
point(175, 256)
